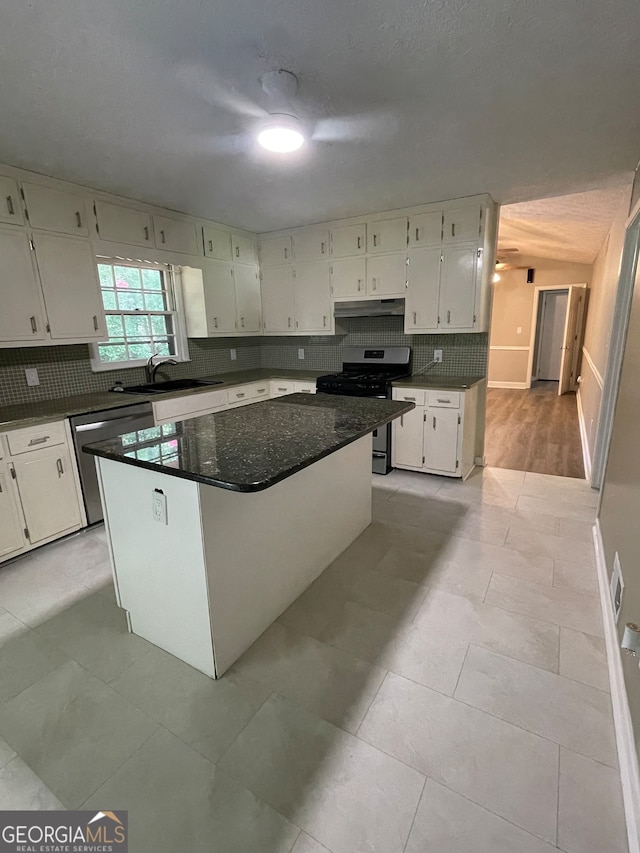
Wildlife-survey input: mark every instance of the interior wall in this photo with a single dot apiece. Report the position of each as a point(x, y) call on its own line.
point(512, 310)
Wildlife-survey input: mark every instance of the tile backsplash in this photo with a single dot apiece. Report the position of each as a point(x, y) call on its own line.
point(66, 370)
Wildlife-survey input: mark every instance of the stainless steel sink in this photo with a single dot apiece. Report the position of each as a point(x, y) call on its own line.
point(170, 385)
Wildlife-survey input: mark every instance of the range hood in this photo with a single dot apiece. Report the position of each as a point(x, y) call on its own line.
point(370, 308)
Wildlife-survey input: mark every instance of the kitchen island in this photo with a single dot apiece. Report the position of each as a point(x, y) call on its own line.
point(218, 523)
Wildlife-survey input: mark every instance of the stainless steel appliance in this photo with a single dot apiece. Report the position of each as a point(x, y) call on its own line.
point(96, 426)
point(369, 372)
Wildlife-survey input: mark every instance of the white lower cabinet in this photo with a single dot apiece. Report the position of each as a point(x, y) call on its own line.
point(280, 388)
point(441, 433)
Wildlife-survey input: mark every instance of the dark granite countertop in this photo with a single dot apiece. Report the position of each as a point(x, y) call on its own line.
point(253, 447)
point(44, 411)
point(446, 383)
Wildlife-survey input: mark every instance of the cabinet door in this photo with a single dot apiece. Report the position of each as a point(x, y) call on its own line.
point(248, 304)
point(217, 243)
point(244, 249)
point(10, 207)
point(276, 252)
point(176, 235)
point(11, 539)
point(407, 449)
point(312, 289)
point(387, 235)
point(55, 210)
point(21, 315)
point(423, 277)
point(348, 240)
point(348, 277)
point(69, 277)
point(441, 440)
point(461, 224)
point(277, 299)
point(458, 287)
point(47, 493)
point(118, 224)
point(387, 275)
point(219, 296)
point(312, 244)
point(425, 229)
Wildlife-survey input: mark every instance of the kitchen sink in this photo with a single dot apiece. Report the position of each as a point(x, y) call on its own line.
point(170, 385)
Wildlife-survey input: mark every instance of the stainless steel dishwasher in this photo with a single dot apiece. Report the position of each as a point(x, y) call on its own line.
point(97, 426)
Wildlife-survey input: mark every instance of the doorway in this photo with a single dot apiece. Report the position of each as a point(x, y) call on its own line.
point(552, 313)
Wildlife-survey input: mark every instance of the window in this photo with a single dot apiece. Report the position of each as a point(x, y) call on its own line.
point(140, 307)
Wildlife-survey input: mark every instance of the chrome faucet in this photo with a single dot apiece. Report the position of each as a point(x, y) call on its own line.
point(151, 368)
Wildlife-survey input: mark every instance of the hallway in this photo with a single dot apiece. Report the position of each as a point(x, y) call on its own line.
point(534, 430)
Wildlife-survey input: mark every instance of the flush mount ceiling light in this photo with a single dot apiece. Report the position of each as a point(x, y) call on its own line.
point(282, 134)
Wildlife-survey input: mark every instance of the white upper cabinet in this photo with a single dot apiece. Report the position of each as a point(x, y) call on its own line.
point(386, 276)
point(10, 207)
point(425, 229)
point(21, 309)
point(462, 224)
point(276, 252)
point(347, 240)
point(312, 298)
point(70, 286)
point(209, 299)
point(458, 287)
point(243, 249)
point(278, 307)
point(312, 244)
point(387, 235)
point(217, 243)
point(348, 278)
point(248, 301)
point(176, 235)
point(118, 224)
point(55, 210)
point(423, 277)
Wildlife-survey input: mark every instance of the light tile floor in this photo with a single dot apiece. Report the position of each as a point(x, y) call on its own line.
point(441, 688)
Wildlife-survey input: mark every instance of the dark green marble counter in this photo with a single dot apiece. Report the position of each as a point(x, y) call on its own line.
point(253, 447)
point(445, 383)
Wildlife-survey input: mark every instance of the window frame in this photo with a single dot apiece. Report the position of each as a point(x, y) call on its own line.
point(172, 279)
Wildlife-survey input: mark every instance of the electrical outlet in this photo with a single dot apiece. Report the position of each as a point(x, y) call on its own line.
point(301, 353)
point(32, 376)
point(234, 355)
point(159, 507)
point(518, 330)
point(437, 356)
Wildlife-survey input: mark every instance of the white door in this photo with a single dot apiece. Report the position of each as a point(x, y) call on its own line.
point(277, 300)
point(276, 252)
point(69, 277)
point(458, 287)
point(248, 304)
point(461, 225)
point(312, 297)
point(219, 296)
point(176, 235)
point(10, 528)
point(55, 210)
point(21, 314)
point(441, 440)
point(423, 276)
point(243, 249)
point(387, 235)
point(10, 207)
point(552, 319)
point(47, 493)
point(425, 229)
point(312, 244)
point(408, 439)
point(348, 277)
point(570, 339)
point(387, 276)
point(348, 240)
point(217, 243)
point(118, 224)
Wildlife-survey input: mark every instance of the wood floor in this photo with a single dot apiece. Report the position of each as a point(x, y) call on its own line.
point(534, 430)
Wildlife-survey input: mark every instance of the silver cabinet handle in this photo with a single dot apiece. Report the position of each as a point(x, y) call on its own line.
point(324, 320)
point(359, 283)
point(282, 389)
point(241, 394)
point(415, 318)
point(417, 234)
point(95, 322)
point(410, 399)
point(242, 322)
point(78, 219)
point(401, 420)
point(434, 422)
point(34, 325)
point(323, 247)
point(40, 440)
point(289, 322)
point(286, 253)
point(146, 232)
point(215, 322)
point(359, 242)
point(375, 283)
point(237, 251)
point(443, 401)
point(453, 229)
point(10, 207)
point(162, 237)
point(59, 467)
point(261, 390)
point(375, 239)
point(211, 245)
point(448, 316)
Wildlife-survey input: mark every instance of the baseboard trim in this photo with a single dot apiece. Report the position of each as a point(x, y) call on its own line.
point(586, 455)
point(627, 755)
point(522, 385)
point(593, 368)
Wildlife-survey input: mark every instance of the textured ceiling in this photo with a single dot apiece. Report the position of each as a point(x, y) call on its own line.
point(567, 228)
point(407, 102)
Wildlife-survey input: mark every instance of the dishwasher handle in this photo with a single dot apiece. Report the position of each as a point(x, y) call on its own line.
point(115, 421)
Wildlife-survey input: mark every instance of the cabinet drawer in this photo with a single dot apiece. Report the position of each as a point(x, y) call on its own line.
point(244, 393)
point(443, 399)
point(279, 388)
point(410, 395)
point(190, 404)
point(35, 438)
point(304, 387)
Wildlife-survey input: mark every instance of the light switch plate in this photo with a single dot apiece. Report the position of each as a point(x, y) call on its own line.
point(32, 376)
point(159, 507)
point(437, 356)
point(518, 330)
point(301, 353)
point(234, 354)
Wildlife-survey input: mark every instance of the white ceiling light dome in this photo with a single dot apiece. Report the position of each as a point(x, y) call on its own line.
point(282, 134)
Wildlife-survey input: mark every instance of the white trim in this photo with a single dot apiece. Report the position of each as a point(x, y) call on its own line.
point(627, 754)
point(518, 349)
point(593, 368)
point(523, 385)
point(586, 454)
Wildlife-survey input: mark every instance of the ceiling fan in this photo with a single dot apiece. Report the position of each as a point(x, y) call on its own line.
point(502, 260)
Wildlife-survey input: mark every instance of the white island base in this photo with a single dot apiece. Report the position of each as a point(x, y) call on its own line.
point(207, 583)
